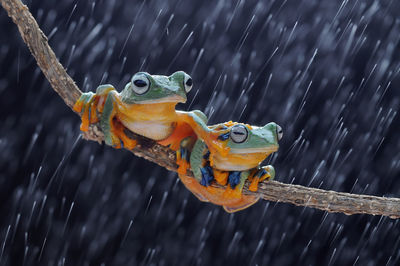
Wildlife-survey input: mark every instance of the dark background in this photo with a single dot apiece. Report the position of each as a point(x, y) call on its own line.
point(327, 71)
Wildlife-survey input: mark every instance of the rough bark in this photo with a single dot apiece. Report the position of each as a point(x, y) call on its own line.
point(63, 84)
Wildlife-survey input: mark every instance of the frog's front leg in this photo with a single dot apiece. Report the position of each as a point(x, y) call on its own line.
point(202, 172)
point(90, 104)
point(197, 120)
point(261, 174)
point(111, 129)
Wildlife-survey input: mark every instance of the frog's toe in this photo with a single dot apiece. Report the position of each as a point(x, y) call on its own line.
point(207, 175)
point(267, 172)
point(254, 184)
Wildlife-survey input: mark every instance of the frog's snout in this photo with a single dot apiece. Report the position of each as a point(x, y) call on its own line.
point(177, 94)
point(275, 129)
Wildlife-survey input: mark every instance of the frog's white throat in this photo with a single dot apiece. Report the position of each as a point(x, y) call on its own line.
point(150, 129)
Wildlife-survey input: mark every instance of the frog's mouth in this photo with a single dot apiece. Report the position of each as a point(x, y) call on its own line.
point(169, 99)
point(267, 151)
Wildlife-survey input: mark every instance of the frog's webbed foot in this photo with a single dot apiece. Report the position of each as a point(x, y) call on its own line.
point(90, 104)
point(261, 174)
point(206, 175)
point(233, 197)
point(86, 107)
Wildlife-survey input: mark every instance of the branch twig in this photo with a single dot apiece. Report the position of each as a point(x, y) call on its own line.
point(63, 84)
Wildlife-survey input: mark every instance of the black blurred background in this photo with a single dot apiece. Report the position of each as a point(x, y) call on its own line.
point(326, 71)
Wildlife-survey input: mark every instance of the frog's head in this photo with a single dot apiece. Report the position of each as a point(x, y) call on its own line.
point(147, 89)
point(250, 139)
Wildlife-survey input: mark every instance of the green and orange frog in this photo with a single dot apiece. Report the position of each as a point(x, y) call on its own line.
point(146, 107)
point(227, 153)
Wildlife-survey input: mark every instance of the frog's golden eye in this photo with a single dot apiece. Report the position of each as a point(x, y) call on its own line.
point(187, 83)
point(279, 132)
point(239, 133)
point(140, 83)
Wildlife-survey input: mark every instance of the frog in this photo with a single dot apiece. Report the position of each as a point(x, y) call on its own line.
point(146, 106)
point(229, 154)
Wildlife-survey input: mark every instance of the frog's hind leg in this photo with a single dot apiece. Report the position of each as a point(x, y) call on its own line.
point(119, 131)
point(261, 174)
point(193, 186)
point(202, 174)
point(183, 154)
point(114, 130)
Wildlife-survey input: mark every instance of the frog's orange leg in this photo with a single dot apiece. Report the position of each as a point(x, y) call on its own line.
point(193, 186)
point(216, 195)
point(84, 106)
point(119, 131)
point(264, 173)
point(182, 161)
point(181, 131)
point(88, 105)
point(209, 136)
point(221, 177)
point(181, 140)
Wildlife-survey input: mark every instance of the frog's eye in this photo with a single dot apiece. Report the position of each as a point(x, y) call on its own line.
point(140, 83)
point(187, 83)
point(239, 133)
point(279, 132)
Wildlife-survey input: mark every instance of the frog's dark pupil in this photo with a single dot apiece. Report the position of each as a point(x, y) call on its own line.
point(140, 83)
point(239, 133)
point(189, 82)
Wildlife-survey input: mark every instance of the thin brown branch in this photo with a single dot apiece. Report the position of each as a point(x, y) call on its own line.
point(63, 84)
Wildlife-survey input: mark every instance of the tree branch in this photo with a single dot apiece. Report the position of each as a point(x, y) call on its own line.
point(63, 84)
